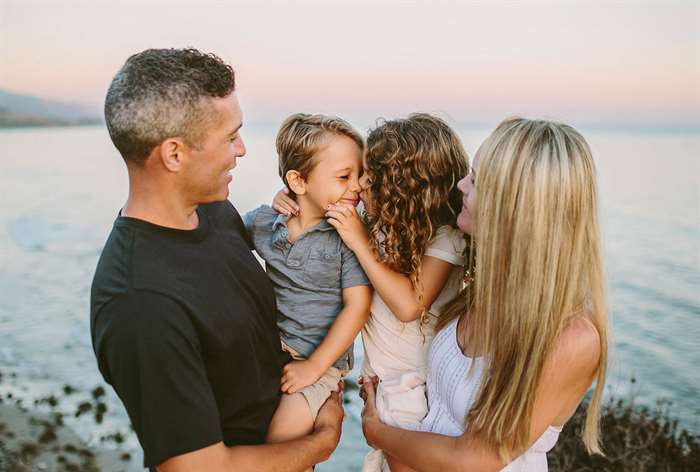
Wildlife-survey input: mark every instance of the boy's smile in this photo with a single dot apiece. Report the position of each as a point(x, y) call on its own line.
point(334, 179)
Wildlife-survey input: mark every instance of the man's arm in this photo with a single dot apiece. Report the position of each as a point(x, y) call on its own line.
point(150, 353)
point(296, 455)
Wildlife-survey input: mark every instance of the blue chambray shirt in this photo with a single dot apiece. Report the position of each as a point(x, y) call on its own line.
point(308, 277)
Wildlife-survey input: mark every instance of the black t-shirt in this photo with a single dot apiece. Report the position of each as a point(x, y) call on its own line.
point(183, 327)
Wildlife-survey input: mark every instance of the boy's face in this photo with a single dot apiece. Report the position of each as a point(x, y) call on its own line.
point(335, 178)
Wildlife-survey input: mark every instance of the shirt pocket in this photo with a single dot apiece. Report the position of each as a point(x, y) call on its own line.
point(323, 269)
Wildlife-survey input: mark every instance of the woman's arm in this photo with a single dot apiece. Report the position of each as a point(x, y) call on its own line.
point(424, 451)
point(393, 287)
point(567, 374)
point(298, 374)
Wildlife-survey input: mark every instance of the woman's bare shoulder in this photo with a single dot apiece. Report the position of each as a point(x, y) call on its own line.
point(577, 348)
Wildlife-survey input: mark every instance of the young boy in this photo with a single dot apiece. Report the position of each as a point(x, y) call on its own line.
point(322, 293)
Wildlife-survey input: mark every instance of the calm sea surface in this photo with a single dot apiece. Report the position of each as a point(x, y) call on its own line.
point(62, 187)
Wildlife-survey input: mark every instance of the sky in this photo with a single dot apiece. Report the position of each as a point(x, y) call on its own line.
point(632, 63)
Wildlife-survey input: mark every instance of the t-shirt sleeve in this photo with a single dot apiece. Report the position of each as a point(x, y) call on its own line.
point(148, 350)
point(351, 270)
point(448, 245)
point(249, 224)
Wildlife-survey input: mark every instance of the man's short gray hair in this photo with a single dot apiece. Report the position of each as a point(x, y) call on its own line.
point(164, 93)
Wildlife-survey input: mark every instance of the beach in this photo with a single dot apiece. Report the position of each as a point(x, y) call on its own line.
point(63, 187)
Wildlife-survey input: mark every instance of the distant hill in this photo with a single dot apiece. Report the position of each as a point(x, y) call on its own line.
point(25, 110)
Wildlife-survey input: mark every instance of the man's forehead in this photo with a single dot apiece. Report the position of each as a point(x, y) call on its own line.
point(229, 110)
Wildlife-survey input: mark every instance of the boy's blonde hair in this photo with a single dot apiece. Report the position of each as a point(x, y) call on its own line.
point(302, 135)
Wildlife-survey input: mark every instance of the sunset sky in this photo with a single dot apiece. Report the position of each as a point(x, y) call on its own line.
point(633, 63)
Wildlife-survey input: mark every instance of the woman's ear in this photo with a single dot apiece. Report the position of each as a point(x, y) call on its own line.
point(172, 154)
point(296, 182)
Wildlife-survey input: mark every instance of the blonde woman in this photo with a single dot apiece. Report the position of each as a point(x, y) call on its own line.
point(516, 352)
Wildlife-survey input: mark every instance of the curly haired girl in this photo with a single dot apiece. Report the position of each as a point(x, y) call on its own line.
point(412, 253)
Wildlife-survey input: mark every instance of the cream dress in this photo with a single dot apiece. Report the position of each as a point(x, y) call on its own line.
point(397, 352)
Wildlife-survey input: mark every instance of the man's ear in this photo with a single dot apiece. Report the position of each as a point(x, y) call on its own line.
point(173, 152)
point(296, 182)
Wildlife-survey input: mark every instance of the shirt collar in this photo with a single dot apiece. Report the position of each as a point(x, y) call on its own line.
point(282, 220)
point(280, 232)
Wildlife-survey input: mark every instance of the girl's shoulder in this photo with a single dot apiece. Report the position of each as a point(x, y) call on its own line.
point(447, 244)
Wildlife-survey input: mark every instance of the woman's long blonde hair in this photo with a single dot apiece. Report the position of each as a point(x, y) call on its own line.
point(537, 264)
point(414, 165)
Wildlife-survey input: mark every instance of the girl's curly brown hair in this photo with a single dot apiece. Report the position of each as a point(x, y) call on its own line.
point(414, 165)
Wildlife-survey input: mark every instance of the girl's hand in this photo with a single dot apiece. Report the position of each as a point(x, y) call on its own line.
point(370, 417)
point(349, 225)
point(299, 374)
point(283, 203)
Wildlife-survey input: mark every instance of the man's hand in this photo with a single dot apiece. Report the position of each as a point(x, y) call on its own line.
point(329, 422)
point(299, 374)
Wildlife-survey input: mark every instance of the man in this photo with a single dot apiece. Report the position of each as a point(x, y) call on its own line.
point(182, 315)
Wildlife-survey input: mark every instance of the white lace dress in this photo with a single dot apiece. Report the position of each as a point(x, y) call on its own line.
point(451, 392)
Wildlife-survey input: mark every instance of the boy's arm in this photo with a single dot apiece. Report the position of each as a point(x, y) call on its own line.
point(341, 335)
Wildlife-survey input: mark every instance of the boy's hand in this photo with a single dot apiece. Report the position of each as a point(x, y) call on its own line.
point(349, 225)
point(299, 374)
point(283, 203)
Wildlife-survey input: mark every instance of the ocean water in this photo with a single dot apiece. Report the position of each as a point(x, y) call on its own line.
point(61, 189)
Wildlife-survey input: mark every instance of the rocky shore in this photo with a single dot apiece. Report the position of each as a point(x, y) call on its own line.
point(34, 437)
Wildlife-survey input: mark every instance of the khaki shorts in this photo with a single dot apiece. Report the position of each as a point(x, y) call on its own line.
point(317, 393)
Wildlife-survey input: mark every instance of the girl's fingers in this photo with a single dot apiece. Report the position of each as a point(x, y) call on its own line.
point(334, 223)
point(290, 203)
point(343, 208)
point(281, 207)
point(337, 212)
point(335, 215)
point(287, 210)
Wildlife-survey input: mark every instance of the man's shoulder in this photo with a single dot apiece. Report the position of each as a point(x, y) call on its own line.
point(223, 210)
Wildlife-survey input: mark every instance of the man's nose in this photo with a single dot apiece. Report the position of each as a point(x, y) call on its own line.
point(240, 148)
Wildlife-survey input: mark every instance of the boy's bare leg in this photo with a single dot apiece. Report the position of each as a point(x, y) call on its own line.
point(292, 420)
point(396, 466)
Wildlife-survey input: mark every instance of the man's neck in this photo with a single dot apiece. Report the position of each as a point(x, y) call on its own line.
point(162, 208)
